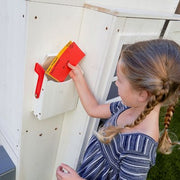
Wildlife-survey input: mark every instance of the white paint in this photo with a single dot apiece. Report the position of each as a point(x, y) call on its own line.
point(62, 2)
point(55, 98)
point(48, 32)
point(12, 52)
point(152, 6)
point(94, 39)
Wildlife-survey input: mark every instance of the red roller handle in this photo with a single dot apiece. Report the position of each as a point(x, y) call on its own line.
point(40, 71)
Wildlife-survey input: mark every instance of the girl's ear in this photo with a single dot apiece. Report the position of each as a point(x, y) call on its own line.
point(143, 95)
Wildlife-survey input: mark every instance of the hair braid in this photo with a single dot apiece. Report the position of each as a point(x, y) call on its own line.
point(105, 135)
point(168, 116)
point(165, 143)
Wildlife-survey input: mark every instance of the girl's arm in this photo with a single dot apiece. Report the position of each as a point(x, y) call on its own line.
point(89, 102)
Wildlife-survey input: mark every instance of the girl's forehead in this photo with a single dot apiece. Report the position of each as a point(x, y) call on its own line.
point(120, 62)
point(120, 69)
point(120, 65)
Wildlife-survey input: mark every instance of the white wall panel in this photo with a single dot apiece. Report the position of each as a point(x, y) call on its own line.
point(153, 6)
point(49, 28)
point(95, 35)
point(65, 2)
point(12, 52)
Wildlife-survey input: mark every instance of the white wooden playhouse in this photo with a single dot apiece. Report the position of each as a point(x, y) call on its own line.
point(39, 138)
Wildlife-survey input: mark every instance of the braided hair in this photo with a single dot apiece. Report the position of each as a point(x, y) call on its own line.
point(154, 66)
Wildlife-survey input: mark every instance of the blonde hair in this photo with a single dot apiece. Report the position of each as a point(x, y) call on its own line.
point(154, 66)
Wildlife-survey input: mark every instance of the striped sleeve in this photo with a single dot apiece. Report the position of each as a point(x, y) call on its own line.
point(117, 106)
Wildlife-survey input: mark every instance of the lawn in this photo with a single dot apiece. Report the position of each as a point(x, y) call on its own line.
point(168, 166)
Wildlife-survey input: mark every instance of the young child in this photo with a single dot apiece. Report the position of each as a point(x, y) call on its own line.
point(148, 77)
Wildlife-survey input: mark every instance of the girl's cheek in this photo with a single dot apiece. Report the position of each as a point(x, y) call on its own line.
point(116, 83)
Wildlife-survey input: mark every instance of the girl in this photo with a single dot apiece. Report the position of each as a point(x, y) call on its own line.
point(148, 77)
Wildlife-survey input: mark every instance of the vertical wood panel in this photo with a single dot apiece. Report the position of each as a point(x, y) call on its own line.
point(49, 28)
point(95, 34)
point(12, 62)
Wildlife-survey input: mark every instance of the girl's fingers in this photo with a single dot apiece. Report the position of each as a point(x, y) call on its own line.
point(75, 72)
point(67, 168)
point(59, 171)
point(71, 66)
point(58, 177)
point(66, 172)
point(60, 168)
point(77, 67)
point(71, 74)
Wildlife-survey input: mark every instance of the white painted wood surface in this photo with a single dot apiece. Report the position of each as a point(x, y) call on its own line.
point(12, 52)
point(153, 6)
point(95, 35)
point(62, 2)
point(49, 28)
point(173, 31)
point(103, 49)
point(55, 98)
point(135, 13)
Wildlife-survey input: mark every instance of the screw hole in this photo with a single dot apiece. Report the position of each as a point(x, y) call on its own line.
point(55, 129)
point(35, 17)
point(40, 134)
point(106, 28)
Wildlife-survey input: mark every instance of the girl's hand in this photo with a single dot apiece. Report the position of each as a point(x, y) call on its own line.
point(65, 172)
point(76, 72)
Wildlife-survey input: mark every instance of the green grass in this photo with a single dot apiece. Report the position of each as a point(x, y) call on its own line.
point(168, 166)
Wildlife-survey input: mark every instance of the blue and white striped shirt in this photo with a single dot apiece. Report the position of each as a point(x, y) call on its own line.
point(127, 157)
